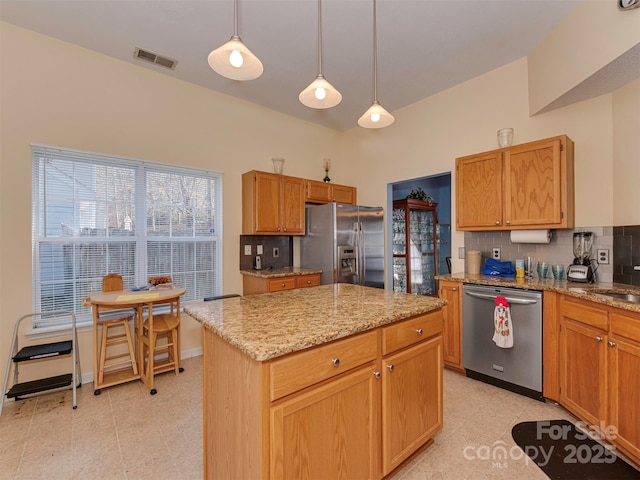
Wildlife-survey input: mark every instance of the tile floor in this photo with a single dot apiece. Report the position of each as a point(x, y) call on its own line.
point(127, 434)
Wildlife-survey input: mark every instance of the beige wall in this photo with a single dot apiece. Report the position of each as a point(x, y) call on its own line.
point(626, 154)
point(428, 135)
point(590, 38)
point(59, 94)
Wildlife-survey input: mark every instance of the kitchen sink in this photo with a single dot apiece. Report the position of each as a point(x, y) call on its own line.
point(627, 297)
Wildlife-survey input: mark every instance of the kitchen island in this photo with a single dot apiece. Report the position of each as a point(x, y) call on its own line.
point(334, 381)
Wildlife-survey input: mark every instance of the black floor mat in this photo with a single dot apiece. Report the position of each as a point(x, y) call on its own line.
point(564, 452)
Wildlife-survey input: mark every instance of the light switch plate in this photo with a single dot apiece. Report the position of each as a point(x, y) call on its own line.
point(259, 250)
point(460, 252)
point(247, 249)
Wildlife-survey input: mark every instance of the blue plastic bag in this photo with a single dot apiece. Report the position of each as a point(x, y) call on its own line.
point(497, 268)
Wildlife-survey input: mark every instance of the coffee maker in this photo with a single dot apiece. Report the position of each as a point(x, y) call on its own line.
point(581, 269)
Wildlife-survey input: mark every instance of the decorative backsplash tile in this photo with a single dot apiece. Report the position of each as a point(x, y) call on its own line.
point(626, 254)
point(559, 250)
point(284, 245)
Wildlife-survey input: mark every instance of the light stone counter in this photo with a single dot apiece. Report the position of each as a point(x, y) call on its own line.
point(280, 272)
point(269, 325)
point(587, 291)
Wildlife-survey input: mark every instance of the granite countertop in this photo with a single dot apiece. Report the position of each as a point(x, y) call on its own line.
point(280, 272)
point(586, 291)
point(269, 325)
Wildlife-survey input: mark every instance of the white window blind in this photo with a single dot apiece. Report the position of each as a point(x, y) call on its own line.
point(94, 214)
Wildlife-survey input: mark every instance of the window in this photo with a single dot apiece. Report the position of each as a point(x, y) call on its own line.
point(94, 215)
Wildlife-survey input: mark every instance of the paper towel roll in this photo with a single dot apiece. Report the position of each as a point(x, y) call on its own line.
point(530, 236)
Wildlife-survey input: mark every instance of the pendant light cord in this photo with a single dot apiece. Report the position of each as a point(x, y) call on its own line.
point(320, 37)
point(375, 54)
point(235, 18)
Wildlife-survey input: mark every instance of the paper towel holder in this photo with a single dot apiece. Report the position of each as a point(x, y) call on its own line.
point(530, 236)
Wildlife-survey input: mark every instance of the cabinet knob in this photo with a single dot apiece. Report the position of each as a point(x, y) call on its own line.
point(611, 344)
point(599, 338)
point(390, 367)
point(508, 222)
point(455, 289)
point(308, 282)
point(335, 362)
point(285, 229)
point(497, 222)
point(284, 284)
point(376, 374)
point(419, 331)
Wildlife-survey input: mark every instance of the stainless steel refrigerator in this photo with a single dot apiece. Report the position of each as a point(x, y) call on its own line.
point(346, 242)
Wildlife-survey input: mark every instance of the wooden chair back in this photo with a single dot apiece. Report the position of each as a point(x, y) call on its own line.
point(112, 283)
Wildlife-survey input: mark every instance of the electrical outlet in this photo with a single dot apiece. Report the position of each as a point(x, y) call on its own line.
point(276, 252)
point(460, 252)
point(603, 255)
point(247, 249)
point(259, 250)
point(496, 252)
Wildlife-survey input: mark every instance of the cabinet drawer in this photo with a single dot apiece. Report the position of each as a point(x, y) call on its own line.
point(307, 281)
point(308, 367)
point(626, 326)
point(408, 332)
point(279, 284)
point(583, 312)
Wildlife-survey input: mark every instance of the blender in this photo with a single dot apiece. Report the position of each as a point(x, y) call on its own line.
point(581, 270)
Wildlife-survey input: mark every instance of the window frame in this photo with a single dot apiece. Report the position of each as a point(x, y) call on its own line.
point(140, 237)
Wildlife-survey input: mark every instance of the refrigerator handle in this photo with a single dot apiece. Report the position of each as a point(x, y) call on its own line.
point(362, 262)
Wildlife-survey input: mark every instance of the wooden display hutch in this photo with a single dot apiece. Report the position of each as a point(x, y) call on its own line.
point(415, 250)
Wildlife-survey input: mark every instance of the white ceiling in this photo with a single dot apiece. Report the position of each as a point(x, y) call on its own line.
point(424, 46)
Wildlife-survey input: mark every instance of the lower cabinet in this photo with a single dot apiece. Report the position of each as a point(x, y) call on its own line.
point(253, 285)
point(599, 374)
point(452, 337)
point(583, 371)
point(355, 408)
point(330, 429)
point(412, 391)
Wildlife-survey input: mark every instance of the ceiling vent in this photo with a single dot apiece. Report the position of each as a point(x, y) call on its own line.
point(151, 57)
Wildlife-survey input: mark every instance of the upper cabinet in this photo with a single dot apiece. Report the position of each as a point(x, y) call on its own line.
point(272, 204)
point(516, 188)
point(321, 192)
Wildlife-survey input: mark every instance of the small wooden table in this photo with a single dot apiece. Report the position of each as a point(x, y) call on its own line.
point(137, 301)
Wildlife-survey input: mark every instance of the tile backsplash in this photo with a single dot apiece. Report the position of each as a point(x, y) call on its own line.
point(626, 254)
point(558, 250)
point(284, 245)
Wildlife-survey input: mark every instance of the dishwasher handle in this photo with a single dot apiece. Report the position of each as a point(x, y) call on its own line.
point(518, 301)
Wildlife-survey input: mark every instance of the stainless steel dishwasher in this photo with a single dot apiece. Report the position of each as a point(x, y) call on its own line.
point(518, 368)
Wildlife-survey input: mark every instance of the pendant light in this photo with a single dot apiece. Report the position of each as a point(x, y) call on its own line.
point(233, 59)
point(320, 93)
point(376, 116)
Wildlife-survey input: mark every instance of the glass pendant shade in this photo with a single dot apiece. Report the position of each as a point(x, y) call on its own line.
point(235, 61)
point(376, 117)
point(320, 94)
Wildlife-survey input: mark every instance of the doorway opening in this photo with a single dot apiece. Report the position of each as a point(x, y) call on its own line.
point(438, 189)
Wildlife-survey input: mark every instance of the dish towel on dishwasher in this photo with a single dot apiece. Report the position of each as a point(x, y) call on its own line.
point(503, 328)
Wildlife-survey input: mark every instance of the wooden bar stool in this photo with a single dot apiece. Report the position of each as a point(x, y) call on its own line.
point(165, 325)
point(111, 323)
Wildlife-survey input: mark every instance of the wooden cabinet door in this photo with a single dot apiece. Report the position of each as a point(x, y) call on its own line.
point(479, 197)
point(411, 400)
point(583, 371)
point(343, 194)
point(292, 202)
point(532, 184)
point(318, 192)
point(329, 431)
point(267, 203)
point(452, 335)
point(624, 381)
